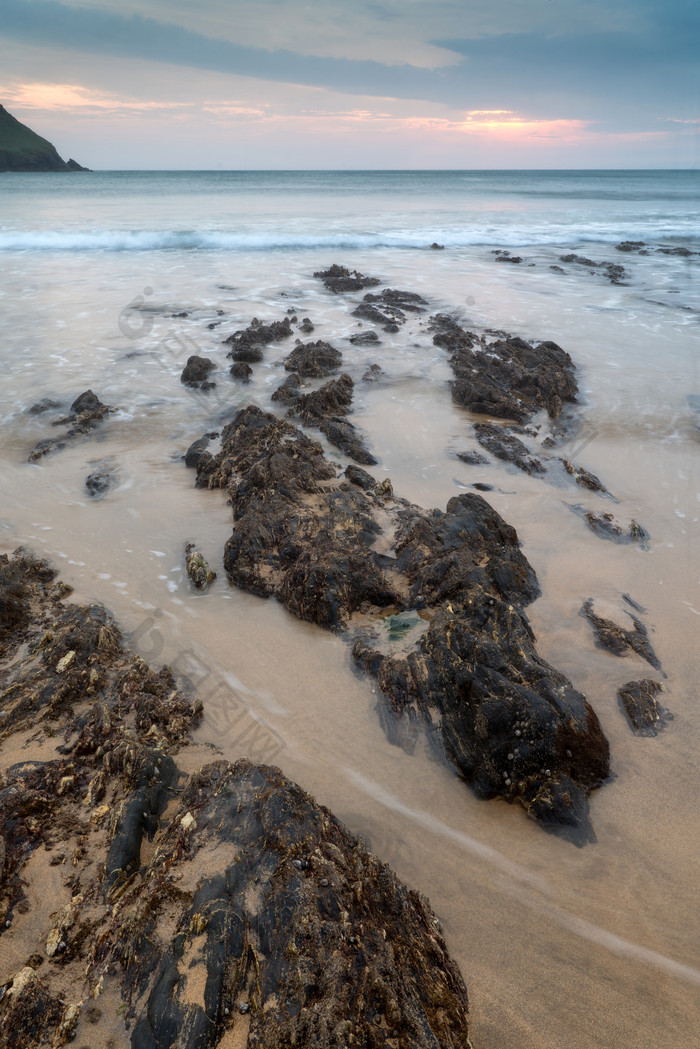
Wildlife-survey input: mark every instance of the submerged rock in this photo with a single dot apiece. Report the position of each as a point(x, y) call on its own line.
point(619, 641)
point(644, 713)
point(86, 411)
point(507, 378)
point(506, 446)
point(512, 724)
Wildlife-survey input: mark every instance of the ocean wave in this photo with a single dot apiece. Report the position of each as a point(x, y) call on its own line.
point(208, 240)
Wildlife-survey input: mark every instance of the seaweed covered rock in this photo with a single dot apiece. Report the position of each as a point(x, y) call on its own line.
point(324, 408)
point(389, 308)
point(507, 378)
point(644, 713)
point(339, 278)
point(506, 446)
point(247, 343)
point(617, 639)
point(299, 937)
point(513, 725)
point(253, 917)
point(196, 372)
point(314, 359)
point(86, 411)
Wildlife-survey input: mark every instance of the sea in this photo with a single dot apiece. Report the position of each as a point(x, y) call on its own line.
point(111, 280)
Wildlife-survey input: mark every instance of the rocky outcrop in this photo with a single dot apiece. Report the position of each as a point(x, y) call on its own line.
point(338, 279)
point(644, 713)
point(507, 378)
point(513, 725)
point(247, 343)
point(244, 915)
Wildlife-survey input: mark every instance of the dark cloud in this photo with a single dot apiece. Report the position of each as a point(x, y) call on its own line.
point(603, 74)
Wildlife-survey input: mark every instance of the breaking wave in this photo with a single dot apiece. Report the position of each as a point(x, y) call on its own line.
point(193, 240)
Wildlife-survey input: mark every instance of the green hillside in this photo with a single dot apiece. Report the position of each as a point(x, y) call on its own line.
point(21, 149)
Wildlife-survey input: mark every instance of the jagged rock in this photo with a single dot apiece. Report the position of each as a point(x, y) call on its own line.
point(504, 445)
point(44, 405)
point(85, 412)
point(630, 245)
point(241, 370)
point(373, 373)
point(314, 359)
point(360, 477)
point(616, 639)
point(196, 372)
point(197, 568)
point(254, 918)
point(194, 452)
point(437, 247)
point(504, 257)
point(247, 343)
point(472, 458)
point(607, 527)
point(393, 298)
point(612, 270)
point(584, 477)
point(364, 338)
point(331, 399)
point(338, 278)
point(638, 701)
point(345, 436)
point(310, 942)
point(306, 326)
point(508, 378)
point(474, 674)
point(290, 389)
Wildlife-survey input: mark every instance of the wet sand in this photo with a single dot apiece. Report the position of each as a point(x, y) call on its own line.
point(560, 947)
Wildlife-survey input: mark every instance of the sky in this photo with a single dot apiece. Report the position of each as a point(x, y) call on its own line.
point(226, 84)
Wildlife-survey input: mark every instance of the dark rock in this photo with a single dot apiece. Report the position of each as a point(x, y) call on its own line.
point(194, 452)
point(612, 270)
point(290, 390)
point(605, 526)
point(314, 359)
point(197, 568)
point(472, 458)
point(373, 373)
point(360, 477)
point(683, 252)
point(557, 269)
point(332, 399)
point(437, 247)
point(100, 482)
point(504, 445)
point(385, 318)
point(85, 412)
point(508, 258)
point(508, 378)
point(583, 477)
point(618, 640)
point(247, 343)
point(290, 923)
point(241, 370)
point(345, 436)
point(364, 338)
point(630, 245)
point(482, 487)
point(392, 298)
point(304, 963)
point(338, 279)
point(44, 405)
point(638, 701)
point(86, 402)
point(196, 371)
point(474, 673)
point(180, 316)
point(306, 326)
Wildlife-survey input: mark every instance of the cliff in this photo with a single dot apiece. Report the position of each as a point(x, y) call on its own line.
point(21, 149)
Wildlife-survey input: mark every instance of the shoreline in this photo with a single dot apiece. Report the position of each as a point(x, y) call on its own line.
point(529, 493)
